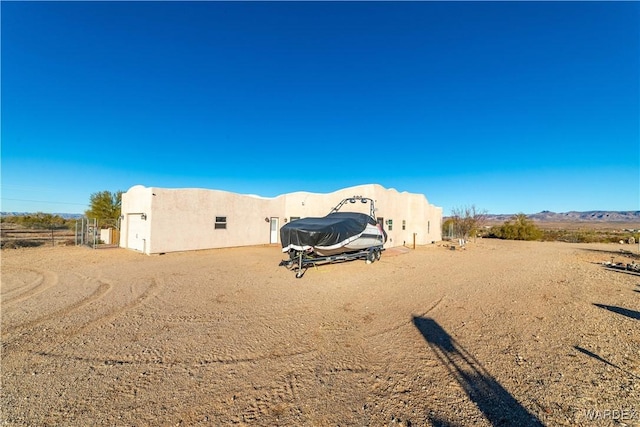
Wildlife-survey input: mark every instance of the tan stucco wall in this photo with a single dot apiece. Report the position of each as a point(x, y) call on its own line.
point(184, 219)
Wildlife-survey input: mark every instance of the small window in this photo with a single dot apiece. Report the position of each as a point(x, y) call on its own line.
point(390, 224)
point(221, 223)
point(293, 218)
point(404, 224)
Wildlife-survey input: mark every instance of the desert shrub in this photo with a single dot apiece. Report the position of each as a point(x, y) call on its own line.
point(43, 221)
point(40, 221)
point(464, 222)
point(587, 236)
point(517, 228)
point(15, 244)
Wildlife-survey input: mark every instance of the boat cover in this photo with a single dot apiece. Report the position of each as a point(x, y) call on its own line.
point(326, 231)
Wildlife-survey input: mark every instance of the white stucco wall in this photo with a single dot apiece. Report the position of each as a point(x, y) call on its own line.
point(184, 219)
point(136, 218)
point(420, 217)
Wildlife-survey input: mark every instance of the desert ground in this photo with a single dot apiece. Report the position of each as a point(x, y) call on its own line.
point(500, 333)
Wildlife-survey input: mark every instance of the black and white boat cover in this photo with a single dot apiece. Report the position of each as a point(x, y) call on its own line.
point(334, 230)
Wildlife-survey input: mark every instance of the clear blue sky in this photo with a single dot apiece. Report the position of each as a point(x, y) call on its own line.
point(513, 107)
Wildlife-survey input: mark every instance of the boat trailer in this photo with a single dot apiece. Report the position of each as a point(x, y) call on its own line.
point(299, 261)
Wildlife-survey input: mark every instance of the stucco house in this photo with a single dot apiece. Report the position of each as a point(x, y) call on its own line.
point(159, 220)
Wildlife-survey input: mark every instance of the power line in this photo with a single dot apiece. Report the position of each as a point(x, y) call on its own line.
point(44, 201)
point(25, 187)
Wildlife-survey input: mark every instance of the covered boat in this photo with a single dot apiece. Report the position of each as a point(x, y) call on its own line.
point(335, 237)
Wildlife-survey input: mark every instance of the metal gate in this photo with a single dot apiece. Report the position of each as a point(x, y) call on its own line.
point(88, 233)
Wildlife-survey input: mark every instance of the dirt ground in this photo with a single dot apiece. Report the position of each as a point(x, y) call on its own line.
point(502, 333)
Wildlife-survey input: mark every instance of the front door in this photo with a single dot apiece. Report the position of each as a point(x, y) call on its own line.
point(274, 230)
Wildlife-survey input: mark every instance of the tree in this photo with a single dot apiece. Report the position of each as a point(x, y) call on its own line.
point(105, 206)
point(467, 221)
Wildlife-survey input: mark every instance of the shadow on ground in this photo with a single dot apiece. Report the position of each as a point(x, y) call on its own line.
point(619, 252)
point(601, 359)
point(619, 310)
point(496, 403)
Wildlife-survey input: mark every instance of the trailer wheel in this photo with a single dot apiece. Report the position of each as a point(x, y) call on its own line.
point(371, 257)
point(378, 255)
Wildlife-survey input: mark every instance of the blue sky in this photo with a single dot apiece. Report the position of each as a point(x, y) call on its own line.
point(512, 107)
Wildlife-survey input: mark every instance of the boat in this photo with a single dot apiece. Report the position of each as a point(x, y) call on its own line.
point(338, 236)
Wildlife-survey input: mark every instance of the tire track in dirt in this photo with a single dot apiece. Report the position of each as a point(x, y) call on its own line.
point(66, 334)
point(102, 289)
point(148, 293)
point(235, 352)
point(148, 356)
point(195, 355)
point(45, 280)
point(10, 335)
point(155, 357)
point(167, 358)
point(400, 325)
point(158, 356)
point(280, 400)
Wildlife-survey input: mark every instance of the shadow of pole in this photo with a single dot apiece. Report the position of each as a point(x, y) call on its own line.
point(595, 356)
point(632, 314)
point(496, 403)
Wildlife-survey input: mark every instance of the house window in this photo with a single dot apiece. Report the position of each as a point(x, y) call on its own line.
point(221, 223)
point(390, 224)
point(404, 224)
point(293, 218)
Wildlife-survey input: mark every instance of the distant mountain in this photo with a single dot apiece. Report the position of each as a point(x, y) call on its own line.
point(573, 216)
point(63, 215)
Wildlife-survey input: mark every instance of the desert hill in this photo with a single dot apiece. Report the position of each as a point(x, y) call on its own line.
point(60, 214)
point(574, 216)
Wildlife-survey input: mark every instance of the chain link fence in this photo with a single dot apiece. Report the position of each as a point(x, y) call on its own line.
point(89, 232)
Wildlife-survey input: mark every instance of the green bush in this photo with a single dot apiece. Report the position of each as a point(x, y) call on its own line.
point(517, 228)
